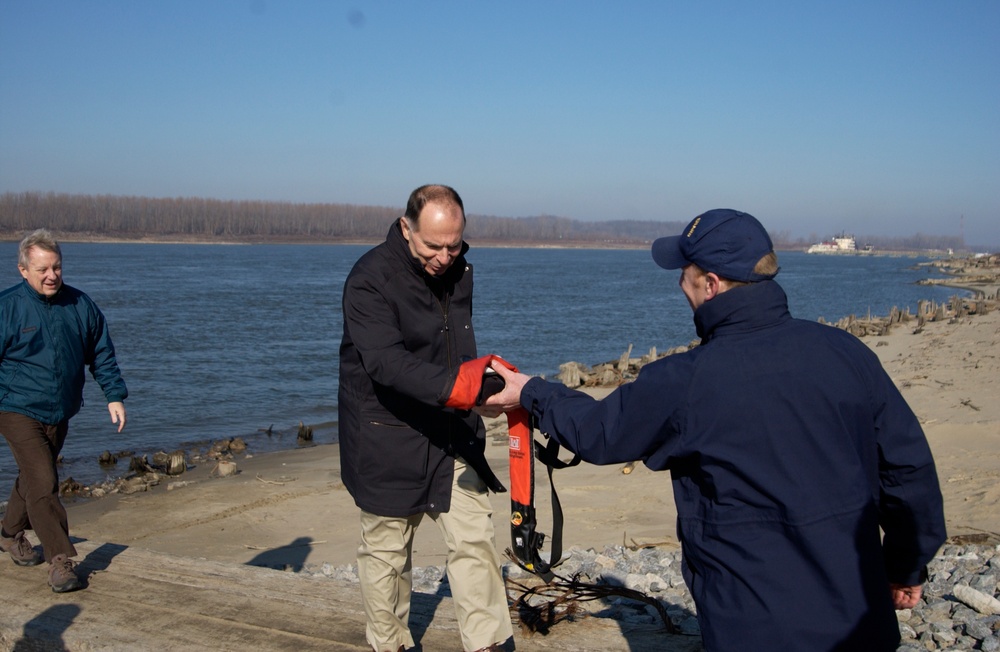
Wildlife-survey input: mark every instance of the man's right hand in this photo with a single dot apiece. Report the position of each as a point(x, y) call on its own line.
point(510, 398)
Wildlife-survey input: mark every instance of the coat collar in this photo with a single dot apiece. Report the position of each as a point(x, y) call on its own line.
point(741, 309)
point(41, 298)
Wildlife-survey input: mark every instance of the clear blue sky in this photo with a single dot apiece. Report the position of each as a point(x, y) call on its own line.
point(874, 117)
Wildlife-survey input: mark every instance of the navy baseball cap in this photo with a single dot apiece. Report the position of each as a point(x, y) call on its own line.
point(726, 242)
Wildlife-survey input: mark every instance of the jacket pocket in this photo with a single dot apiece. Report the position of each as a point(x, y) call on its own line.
point(393, 455)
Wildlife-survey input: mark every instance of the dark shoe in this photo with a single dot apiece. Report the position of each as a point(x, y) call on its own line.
point(20, 550)
point(490, 648)
point(62, 575)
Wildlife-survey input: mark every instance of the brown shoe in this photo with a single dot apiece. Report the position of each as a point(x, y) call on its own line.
point(20, 550)
point(62, 575)
point(491, 648)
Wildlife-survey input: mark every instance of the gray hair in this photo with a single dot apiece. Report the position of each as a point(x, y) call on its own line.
point(41, 238)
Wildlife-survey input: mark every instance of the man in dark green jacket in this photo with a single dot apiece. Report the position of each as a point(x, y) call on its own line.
point(49, 334)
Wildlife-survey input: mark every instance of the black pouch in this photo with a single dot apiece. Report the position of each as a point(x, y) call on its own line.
point(493, 383)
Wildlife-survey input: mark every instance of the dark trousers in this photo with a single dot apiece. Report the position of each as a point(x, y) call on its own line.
point(34, 502)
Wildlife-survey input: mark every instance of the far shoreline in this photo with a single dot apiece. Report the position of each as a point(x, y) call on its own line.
point(174, 239)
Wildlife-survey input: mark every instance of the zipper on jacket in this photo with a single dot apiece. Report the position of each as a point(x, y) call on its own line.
point(444, 304)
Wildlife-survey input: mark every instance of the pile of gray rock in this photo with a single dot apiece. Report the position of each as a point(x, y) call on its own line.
point(959, 609)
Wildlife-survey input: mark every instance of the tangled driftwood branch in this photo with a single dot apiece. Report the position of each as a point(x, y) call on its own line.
point(542, 606)
point(636, 545)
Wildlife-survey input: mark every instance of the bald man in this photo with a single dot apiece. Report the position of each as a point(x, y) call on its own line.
point(404, 455)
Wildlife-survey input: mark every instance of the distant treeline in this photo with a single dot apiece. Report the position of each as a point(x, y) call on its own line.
point(193, 218)
point(112, 216)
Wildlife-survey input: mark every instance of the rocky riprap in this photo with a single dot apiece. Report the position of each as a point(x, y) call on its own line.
point(941, 621)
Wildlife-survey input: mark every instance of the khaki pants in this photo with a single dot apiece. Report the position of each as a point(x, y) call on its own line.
point(477, 587)
point(34, 501)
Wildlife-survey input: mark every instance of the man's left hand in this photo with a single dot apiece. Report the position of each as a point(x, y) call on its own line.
point(117, 411)
point(905, 597)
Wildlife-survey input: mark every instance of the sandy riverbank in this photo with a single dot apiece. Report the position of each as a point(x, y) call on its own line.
point(289, 508)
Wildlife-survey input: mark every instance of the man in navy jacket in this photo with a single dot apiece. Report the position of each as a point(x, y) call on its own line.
point(789, 448)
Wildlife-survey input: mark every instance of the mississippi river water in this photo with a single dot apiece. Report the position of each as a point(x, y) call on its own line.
point(218, 341)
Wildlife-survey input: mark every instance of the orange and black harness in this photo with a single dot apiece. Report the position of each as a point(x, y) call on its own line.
point(526, 542)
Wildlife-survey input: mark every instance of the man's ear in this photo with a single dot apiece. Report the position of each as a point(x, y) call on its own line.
point(713, 286)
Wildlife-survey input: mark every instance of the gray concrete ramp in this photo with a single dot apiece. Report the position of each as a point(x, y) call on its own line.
point(136, 599)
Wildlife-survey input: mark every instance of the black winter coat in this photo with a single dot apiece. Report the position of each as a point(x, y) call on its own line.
point(405, 335)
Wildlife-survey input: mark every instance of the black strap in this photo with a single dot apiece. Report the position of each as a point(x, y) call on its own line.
point(528, 557)
point(549, 456)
